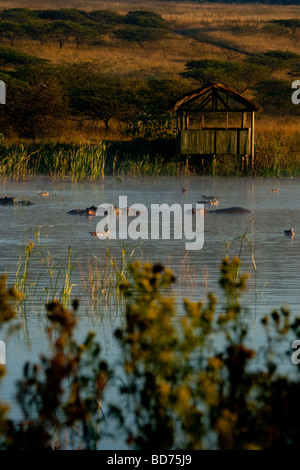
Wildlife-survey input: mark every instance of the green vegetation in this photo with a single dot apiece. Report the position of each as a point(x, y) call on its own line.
point(190, 382)
point(277, 154)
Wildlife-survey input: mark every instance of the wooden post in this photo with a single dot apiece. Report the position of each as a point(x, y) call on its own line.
point(214, 164)
point(184, 120)
point(244, 120)
point(252, 138)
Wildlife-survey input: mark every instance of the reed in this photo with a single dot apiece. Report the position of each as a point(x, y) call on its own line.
point(98, 283)
point(42, 278)
point(276, 154)
point(77, 162)
point(22, 277)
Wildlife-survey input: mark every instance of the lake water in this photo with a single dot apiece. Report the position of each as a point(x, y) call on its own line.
point(274, 281)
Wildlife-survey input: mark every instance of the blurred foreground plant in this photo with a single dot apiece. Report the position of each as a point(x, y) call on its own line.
point(60, 397)
point(191, 380)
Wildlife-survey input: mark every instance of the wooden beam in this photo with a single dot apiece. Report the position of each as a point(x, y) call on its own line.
point(191, 96)
point(252, 137)
point(222, 110)
point(244, 120)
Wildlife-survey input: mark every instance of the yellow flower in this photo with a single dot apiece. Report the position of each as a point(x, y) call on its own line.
point(164, 388)
point(225, 428)
point(183, 394)
point(215, 363)
point(165, 356)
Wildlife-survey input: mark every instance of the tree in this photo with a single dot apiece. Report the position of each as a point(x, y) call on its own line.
point(145, 19)
point(106, 18)
point(10, 30)
point(17, 15)
point(272, 30)
point(162, 92)
point(105, 98)
point(64, 14)
point(274, 96)
point(61, 31)
point(295, 70)
point(238, 75)
point(293, 25)
point(141, 35)
point(36, 103)
point(38, 30)
point(13, 57)
point(274, 60)
point(82, 33)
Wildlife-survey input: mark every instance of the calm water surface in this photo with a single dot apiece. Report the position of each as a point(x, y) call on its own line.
point(274, 282)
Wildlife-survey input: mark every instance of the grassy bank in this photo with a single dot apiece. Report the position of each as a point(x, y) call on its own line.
point(277, 154)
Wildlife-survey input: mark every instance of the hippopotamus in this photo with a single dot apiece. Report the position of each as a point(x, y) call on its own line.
point(25, 203)
point(8, 201)
point(12, 201)
point(88, 211)
point(93, 211)
point(232, 210)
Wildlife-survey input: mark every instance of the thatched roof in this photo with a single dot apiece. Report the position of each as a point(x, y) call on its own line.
point(215, 90)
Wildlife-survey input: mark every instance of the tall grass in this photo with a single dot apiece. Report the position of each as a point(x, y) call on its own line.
point(52, 282)
point(22, 279)
point(147, 166)
point(41, 277)
point(83, 162)
point(277, 153)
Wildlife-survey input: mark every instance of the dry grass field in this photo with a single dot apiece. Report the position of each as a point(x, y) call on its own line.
point(170, 55)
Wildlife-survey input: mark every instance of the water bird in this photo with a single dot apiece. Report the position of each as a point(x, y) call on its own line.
point(100, 234)
point(184, 190)
point(290, 232)
point(273, 190)
point(118, 210)
point(195, 211)
point(43, 193)
point(210, 201)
